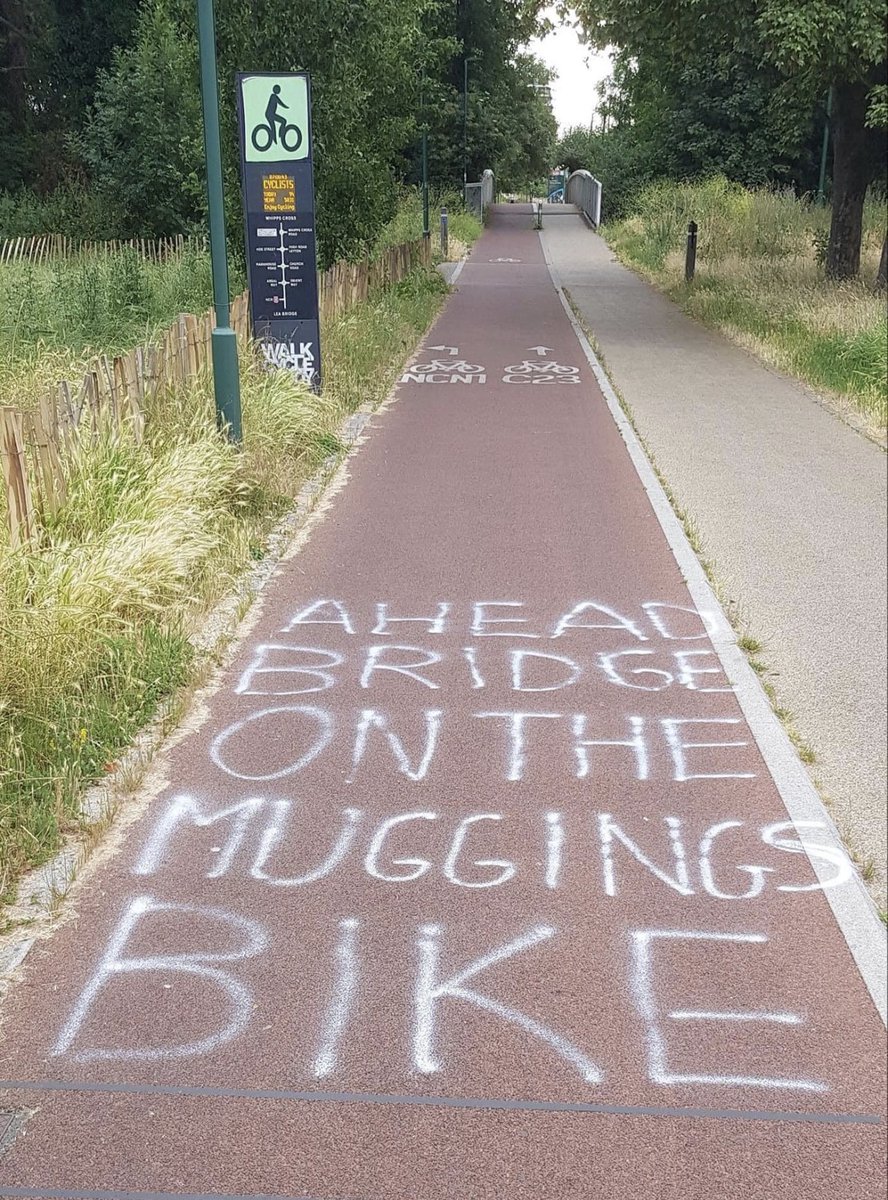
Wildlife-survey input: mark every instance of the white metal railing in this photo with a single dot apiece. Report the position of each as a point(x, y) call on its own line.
point(479, 196)
point(584, 190)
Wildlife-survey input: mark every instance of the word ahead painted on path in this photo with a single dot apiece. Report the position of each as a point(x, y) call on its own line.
point(274, 112)
point(569, 675)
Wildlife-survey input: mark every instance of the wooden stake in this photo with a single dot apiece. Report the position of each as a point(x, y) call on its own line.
point(19, 505)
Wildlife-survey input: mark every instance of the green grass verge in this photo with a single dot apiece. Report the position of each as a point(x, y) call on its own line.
point(57, 315)
point(463, 227)
point(760, 280)
point(94, 618)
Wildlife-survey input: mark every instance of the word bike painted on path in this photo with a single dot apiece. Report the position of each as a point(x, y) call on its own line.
point(451, 798)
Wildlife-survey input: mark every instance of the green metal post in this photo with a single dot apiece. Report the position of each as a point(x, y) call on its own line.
point(821, 186)
point(465, 121)
point(226, 380)
point(426, 231)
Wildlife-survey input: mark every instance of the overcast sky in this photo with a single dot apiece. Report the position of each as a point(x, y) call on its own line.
point(578, 70)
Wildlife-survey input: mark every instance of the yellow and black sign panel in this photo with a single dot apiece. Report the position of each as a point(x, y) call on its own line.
point(278, 193)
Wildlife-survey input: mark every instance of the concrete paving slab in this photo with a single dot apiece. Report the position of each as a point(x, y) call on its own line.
point(791, 506)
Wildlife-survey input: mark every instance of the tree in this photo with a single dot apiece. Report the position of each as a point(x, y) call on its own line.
point(143, 142)
point(25, 53)
point(50, 55)
point(839, 44)
point(510, 127)
point(107, 91)
point(623, 158)
point(143, 138)
point(709, 48)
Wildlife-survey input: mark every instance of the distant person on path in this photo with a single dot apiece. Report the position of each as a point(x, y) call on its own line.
point(272, 116)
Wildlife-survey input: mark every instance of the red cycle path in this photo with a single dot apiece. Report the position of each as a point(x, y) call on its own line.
point(493, 924)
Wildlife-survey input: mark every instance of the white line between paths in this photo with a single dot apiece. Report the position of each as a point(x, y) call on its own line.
point(851, 904)
point(456, 274)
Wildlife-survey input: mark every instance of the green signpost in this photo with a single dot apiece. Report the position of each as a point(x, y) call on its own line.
point(226, 380)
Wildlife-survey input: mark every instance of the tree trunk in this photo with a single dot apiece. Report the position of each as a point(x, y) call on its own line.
point(882, 276)
point(13, 61)
point(852, 171)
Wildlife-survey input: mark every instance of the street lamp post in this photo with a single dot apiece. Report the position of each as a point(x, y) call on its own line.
point(465, 120)
point(426, 231)
point(226, 380)
point(424, 144)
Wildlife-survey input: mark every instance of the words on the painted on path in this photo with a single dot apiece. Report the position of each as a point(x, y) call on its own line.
point(601, 722)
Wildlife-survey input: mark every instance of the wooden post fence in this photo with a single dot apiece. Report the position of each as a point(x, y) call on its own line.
point(15, 476)
point(36, 445)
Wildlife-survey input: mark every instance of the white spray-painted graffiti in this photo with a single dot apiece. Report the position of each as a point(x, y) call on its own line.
point(626, 703)
point(430, 992)
point(304, 732)
point(642, 942)
point(558, 851)
point(296, 357)
point(203, 964)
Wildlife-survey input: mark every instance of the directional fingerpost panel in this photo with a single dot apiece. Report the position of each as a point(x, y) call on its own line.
point(277, 173)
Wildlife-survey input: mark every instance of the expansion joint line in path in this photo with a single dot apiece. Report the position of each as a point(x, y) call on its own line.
point(457, 1102)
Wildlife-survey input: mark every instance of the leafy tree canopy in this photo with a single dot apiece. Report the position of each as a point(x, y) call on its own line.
point(739, 88)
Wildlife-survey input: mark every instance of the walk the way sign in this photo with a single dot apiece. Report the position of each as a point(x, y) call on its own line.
point(274, 118)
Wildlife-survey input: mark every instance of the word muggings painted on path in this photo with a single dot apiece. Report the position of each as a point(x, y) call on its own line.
point(586, 728)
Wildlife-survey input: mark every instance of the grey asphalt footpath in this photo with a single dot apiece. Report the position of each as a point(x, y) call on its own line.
point(791, 506)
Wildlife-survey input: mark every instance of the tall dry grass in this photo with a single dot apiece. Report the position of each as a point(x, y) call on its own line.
point(463, 226)
point(760, 279)
point(95, 617)
point(58, 314)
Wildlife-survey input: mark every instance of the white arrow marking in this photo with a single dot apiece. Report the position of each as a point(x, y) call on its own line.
point(446, 349)
point(541, 349)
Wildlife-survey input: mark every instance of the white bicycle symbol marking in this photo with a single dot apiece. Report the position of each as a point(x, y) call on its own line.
point(454, 366)
point(535, 371)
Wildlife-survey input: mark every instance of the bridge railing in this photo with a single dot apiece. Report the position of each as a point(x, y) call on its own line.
point(479, 196)
point(584, 190)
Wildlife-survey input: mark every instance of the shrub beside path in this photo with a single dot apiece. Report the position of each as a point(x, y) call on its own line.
point(790, 505)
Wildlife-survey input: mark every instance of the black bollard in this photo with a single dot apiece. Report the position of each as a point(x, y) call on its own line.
point(691, 254)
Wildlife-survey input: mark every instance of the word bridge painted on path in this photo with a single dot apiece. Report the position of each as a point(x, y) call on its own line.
point(277, 843)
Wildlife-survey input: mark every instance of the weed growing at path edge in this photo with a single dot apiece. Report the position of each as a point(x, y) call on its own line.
point(95, 618)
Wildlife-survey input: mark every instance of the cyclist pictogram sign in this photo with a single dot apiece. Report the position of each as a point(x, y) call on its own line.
point(279, 208)
point(275, 109)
